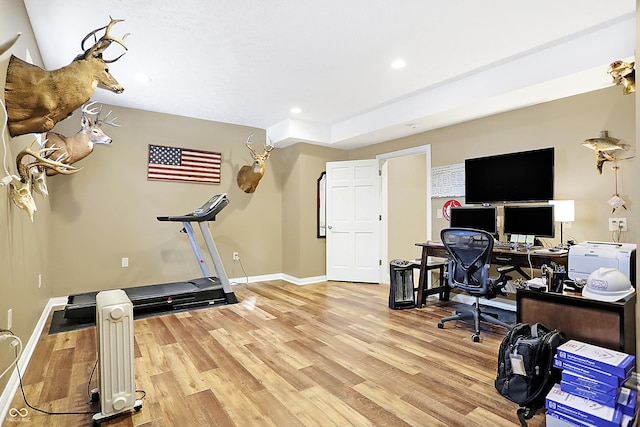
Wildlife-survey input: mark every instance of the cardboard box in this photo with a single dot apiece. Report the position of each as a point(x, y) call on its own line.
point(581, 409)
point(605, 399)
point(558, 419)
point(596, 374)
point(628, 401)
point(603, 359)
point(555, 420)
point(576, 379)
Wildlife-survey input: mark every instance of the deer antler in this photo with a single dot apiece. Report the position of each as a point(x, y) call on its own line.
point(100, 45)
point(41, 160)
point(96, 112)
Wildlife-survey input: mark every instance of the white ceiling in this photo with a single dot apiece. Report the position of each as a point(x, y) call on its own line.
point(249, 62)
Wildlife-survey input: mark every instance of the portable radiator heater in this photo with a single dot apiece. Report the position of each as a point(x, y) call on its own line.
point(114, 329)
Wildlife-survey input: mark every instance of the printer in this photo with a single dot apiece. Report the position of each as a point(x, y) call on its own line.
point(586, 257)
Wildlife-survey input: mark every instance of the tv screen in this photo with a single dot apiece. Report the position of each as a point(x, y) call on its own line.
point(478, 217)
point(529, 220)
point(525, 176)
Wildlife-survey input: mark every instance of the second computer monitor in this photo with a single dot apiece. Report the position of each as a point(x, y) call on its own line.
point(529, 220)
point(478, 217)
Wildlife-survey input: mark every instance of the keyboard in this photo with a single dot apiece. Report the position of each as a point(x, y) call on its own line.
point(502, 245)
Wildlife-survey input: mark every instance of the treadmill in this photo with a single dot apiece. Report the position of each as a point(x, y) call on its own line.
point(207, 290)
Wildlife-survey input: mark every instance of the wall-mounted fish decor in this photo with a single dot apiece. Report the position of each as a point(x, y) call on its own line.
point(605, 147)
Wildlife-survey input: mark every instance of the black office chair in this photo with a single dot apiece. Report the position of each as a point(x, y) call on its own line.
point(470, 257)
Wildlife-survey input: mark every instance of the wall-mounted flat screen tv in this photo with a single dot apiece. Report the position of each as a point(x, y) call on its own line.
point(478, 217)
point(525, 176)
point(529, 220)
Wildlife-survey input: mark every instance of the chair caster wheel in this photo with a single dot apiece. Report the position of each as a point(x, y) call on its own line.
point(475, 338)
point(440, 325)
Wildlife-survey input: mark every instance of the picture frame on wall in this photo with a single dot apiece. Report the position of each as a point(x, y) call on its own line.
point(322, 226)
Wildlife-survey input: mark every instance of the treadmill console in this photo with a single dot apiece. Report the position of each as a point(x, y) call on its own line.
point(206, 212)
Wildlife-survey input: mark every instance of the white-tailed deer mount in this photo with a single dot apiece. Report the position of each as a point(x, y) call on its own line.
point(73, 148)
point(37, 99)
point(21, 186)
point(249, 175)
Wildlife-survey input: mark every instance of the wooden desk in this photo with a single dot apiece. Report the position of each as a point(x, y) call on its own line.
point(501, 256)
point(607, 324)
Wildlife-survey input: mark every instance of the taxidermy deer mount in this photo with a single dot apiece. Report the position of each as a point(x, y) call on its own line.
point(30, 174)
point(37, 99)
point(249, 175)
point(71, 149)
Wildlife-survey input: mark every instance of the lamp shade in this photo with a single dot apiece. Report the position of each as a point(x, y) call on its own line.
point(563, 210)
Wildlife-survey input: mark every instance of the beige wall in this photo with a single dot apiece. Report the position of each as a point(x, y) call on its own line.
point(23, 245)
point(303, 253)
point(108, 210)
point(562, 124)
point(406, 205)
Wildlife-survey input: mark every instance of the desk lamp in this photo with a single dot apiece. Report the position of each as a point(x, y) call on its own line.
point(563, 211)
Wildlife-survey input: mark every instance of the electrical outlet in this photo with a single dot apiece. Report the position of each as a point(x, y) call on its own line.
point(39, 280)
point(9, 318)
point(622, 224)
point(125, 262)
point(617, 224)
point(236, 256)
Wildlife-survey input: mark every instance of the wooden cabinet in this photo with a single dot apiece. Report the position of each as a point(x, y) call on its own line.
point(607, 324)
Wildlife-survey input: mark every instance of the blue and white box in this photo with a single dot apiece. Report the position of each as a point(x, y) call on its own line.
point(556, 419)
point(628, 401)
point(593, 356)
point(604, 399)
point(573, 378)
point(581, 409)
point(595, 374)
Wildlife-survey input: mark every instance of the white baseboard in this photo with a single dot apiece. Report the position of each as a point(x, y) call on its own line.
point(12, 385)
point(279, 276)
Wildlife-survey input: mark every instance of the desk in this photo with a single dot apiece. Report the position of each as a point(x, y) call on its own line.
point(503, 256)
point(606, 324)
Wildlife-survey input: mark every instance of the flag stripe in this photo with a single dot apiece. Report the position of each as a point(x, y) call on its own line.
point(177, 164)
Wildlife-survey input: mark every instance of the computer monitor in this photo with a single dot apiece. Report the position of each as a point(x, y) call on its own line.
point(529, 220)
point(478, 217)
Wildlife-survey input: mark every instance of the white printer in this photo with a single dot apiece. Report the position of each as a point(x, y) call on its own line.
point(586, 257)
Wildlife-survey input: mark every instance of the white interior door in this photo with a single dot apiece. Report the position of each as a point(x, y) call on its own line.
point(353, 224)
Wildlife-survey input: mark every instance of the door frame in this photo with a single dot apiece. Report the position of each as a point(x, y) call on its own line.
point(384, 187)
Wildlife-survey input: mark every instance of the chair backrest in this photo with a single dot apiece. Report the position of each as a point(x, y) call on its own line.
point(470, 252)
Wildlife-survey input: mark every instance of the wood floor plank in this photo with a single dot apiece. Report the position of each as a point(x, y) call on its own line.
point(325, 354)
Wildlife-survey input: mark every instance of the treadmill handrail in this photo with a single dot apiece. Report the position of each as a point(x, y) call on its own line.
point(207, 212)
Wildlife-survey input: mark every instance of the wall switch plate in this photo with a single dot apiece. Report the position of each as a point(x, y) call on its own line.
point(125, 262)
point(9, 318)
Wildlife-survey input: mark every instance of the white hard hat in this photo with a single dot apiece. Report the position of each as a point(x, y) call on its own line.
point(607, 284)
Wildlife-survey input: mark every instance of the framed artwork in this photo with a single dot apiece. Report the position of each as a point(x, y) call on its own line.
point(322, 210)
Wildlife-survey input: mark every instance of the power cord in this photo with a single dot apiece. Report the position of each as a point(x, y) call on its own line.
point(244, 272)
point(16, 342)
point(24, 396)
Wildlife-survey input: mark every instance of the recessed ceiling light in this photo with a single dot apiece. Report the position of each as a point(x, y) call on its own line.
point(296, 110)
point(398, 63)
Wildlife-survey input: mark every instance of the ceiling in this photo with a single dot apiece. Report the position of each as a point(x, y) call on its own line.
point(250, 62)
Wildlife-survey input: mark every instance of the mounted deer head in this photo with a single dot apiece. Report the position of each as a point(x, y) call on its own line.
point(249, 175)
point(71, 149)
point(37, 99)
point(21, 186)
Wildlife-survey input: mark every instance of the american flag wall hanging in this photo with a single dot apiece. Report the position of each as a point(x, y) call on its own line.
point(180, 164)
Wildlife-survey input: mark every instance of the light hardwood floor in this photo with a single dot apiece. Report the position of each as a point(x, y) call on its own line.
point(327, 354)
